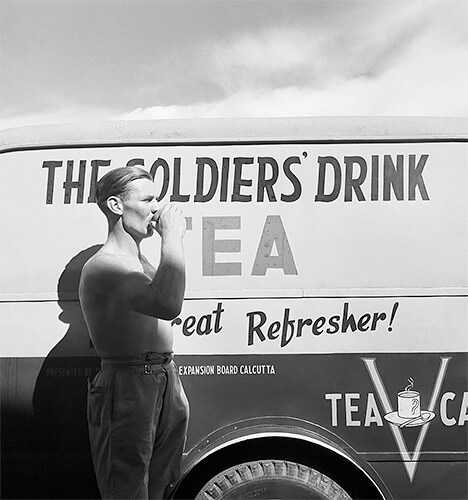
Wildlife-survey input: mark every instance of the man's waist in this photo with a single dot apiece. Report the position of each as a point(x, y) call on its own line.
point(144, 359)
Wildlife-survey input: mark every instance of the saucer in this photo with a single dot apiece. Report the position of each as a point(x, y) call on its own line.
point(394, 419)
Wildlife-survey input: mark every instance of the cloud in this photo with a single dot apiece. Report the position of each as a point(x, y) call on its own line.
point(408, 63)
point(361, 39)
point(316, 58)
point(61, 115)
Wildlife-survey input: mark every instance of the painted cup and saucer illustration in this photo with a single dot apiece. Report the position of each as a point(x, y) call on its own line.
point(409, 413)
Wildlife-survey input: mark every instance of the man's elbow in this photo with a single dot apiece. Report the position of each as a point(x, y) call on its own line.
point(170, 311)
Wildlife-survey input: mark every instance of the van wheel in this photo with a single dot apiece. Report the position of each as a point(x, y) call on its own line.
point(271, 479)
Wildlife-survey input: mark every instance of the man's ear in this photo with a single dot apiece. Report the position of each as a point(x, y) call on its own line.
point(114, 204)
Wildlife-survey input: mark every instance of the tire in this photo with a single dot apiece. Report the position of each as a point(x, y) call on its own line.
point(271, 479)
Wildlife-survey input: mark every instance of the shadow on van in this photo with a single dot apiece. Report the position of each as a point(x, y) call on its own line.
point(61, 455)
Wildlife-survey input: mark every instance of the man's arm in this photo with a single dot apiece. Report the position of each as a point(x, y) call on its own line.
point(169, 279)
point(121, 279)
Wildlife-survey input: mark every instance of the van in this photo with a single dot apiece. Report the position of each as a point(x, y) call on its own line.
point(322, 343)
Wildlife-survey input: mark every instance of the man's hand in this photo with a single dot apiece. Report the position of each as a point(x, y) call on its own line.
point(170, 221)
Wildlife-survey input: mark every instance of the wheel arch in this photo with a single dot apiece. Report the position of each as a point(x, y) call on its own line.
point(298, 440)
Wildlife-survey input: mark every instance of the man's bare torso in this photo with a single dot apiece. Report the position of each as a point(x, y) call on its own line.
point(116, 330)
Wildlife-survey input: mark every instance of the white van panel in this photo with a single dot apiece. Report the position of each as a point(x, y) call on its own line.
point(261, 326)
point(257, 243)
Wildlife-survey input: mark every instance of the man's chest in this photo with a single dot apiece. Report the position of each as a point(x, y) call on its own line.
point(148, 269)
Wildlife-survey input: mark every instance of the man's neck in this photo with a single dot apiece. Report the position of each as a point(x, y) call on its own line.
point(122, 242)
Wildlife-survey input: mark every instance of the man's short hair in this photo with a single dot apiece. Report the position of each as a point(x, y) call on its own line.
point(117, 183)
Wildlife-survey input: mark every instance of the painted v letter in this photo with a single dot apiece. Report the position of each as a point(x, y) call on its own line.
point(410, 461)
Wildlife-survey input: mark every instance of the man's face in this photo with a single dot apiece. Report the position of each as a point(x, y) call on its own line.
point(139, 207)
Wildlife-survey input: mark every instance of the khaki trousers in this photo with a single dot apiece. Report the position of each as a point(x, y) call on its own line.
point(137, 419)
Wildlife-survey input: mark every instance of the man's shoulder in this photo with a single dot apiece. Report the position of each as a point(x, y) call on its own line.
point(107, 260)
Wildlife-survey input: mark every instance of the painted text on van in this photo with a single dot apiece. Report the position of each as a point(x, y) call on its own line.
point(284, 331)
point(254, 179)
point(400, 176)
point(356, 410)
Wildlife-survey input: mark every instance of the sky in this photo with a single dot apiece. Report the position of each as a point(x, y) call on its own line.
point(65, 61)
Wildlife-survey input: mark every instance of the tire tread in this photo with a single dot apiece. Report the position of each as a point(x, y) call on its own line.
point(243, 473)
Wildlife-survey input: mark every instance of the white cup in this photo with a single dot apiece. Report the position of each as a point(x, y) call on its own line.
point(409, 404)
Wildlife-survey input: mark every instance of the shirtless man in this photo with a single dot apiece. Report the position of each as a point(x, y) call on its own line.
point(137, 409)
